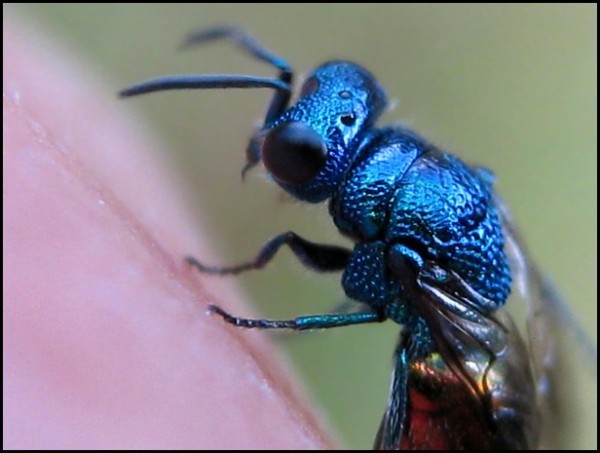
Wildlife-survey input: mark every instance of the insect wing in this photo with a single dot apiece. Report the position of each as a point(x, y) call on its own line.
point(474, 389)
point(550, 330)
point(487, 383)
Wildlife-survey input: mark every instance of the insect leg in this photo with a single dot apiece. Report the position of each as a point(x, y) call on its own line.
point(324, 321)
point(318, 257)
point(392, 424)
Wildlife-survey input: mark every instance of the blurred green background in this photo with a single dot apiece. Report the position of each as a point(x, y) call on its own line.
point(513, 88)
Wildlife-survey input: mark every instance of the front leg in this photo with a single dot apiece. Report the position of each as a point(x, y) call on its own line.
point(319, 257)
point(308, 322)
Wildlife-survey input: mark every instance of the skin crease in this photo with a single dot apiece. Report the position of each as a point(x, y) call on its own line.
point(106, 339)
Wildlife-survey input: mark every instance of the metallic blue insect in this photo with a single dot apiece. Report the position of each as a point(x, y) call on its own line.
point(434, 251)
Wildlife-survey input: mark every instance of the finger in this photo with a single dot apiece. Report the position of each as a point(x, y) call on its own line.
point(107, 343)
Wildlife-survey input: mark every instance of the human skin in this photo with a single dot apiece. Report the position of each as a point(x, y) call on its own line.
point(106, 338)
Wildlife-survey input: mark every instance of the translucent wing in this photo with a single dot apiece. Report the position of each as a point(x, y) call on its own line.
point(480, 383)
point(548, 324)
point(470, 386)
point(533, 302)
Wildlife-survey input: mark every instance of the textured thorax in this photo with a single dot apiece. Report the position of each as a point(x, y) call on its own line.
point(361, 206)
point(403, 190)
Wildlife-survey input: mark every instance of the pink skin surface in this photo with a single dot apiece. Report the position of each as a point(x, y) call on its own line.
point(106, 339)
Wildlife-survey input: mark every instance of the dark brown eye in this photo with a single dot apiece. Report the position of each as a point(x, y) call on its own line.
point(310, 86)
point(294, 153)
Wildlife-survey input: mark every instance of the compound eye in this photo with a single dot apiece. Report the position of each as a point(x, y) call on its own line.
point(293, 153)
point(311, 85)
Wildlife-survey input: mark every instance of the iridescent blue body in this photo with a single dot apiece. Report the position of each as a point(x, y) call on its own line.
point(429, 251)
